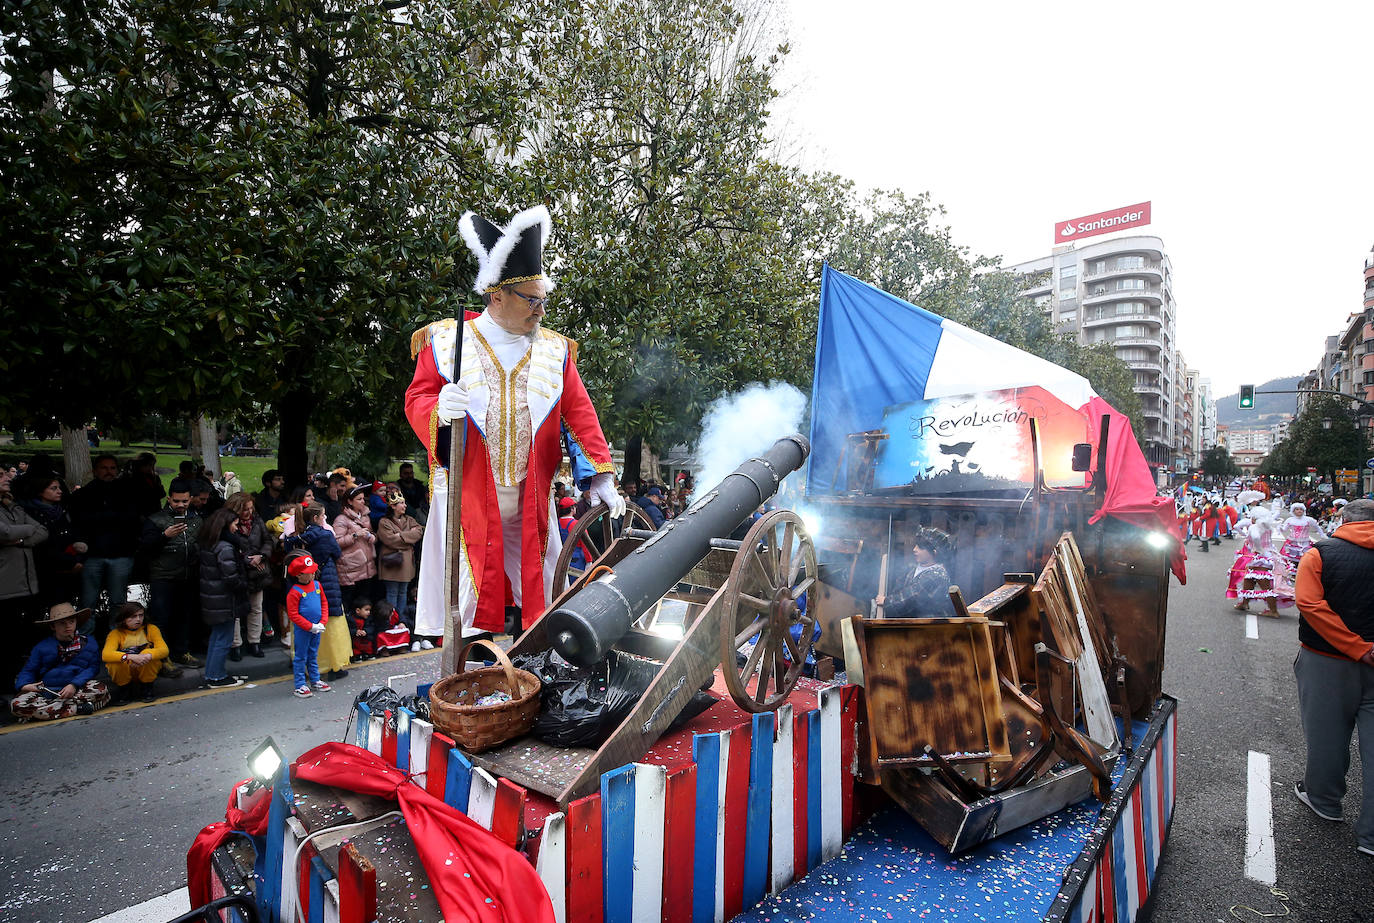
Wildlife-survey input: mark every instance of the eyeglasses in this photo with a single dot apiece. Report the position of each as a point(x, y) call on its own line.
point(536, 304)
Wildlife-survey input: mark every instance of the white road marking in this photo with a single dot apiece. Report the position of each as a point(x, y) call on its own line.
point(158, 910)
point(1260, 863)
point(1252, 626)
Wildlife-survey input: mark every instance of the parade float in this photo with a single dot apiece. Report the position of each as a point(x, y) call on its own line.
point(1013, 759)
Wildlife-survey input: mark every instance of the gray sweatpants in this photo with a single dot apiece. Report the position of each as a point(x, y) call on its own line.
point(1335, 696)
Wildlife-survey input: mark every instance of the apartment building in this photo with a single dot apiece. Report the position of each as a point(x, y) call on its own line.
point(1119, 290)
point(1205, 411)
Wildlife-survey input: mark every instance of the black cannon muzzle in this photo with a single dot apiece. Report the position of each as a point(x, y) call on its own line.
point(585, 628)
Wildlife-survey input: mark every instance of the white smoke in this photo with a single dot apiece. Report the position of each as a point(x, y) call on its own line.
point(737, 427)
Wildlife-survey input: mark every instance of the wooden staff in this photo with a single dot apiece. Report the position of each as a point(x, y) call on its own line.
point(453, 533)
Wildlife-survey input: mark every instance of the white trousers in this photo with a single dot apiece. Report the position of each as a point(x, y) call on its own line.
point(430, 606)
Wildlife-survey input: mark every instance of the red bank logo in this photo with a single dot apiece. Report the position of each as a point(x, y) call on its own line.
point(1103, 222)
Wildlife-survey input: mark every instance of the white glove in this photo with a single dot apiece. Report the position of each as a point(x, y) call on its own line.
point(601, 489)
point(317, 628)
point(453, 402)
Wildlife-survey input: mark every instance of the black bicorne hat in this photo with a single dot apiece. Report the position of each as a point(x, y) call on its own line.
point(510, 255)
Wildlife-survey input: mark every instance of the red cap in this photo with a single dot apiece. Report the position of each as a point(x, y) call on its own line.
point(566, 503)
point(378, 486)
point(305, 564)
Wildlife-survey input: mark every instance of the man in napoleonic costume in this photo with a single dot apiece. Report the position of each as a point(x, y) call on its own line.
point(522, 404)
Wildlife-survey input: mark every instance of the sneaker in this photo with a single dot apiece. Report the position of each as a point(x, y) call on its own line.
point(85, 708)
point(227, 682)
point(425, 645)
point(336, 675)
point(188, 660)
point(1302, 796)
point(268, 633)
point(303, 692)
point(415, 646)
point(148, 694)
point(170, 670)
point(321, 686)
point(1367, 850)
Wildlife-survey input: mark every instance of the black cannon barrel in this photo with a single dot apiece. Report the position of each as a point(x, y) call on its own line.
point(585, 628)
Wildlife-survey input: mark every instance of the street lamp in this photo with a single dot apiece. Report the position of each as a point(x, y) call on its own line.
point(1326, 422)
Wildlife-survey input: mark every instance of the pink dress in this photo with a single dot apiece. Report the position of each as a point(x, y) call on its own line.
point(1238, 569)
point(1300, 531)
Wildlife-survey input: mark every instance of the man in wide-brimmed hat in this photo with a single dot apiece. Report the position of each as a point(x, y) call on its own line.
point(522, 404)
point(59, 679)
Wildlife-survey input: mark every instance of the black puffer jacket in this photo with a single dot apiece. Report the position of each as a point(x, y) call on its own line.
point(223, 584)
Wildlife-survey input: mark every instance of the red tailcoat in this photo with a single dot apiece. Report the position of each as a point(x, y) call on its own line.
point(562, 418)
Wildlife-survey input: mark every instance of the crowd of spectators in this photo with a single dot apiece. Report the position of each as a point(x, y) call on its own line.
point(211, 560)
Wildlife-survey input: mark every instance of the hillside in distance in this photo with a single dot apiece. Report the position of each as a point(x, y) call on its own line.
point(1230, 414)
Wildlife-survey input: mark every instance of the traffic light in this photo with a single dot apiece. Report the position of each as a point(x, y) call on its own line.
point(1247, 397)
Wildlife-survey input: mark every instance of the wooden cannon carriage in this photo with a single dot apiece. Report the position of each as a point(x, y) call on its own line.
point(750, 611)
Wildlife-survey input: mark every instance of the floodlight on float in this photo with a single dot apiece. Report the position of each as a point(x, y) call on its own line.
point(1158, 540)
point(264, 761)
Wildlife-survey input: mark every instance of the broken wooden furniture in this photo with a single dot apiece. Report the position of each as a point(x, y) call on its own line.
point(969, 717)
point(749, 613)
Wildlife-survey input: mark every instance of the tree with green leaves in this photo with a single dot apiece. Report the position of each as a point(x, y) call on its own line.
point(1218, 463)
point(1325, 436)
point(253, 201)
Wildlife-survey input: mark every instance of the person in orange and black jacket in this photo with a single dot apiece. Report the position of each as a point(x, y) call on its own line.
point(1335, 666)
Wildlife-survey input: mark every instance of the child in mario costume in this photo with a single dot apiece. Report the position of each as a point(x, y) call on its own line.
point(522, 405)
point(309, 612)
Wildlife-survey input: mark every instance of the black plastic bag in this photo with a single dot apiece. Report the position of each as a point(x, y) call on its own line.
point(380, 699)
point(581, 707)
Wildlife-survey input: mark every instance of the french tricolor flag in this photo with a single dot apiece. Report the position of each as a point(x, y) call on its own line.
point(875, 352)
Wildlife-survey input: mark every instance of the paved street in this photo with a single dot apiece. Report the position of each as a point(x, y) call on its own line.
point(1236, 696)
point(99, 811)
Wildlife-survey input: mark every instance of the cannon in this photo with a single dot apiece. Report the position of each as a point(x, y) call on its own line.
point(749, 610)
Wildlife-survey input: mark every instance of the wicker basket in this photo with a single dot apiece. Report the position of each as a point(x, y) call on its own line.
point(480, 727)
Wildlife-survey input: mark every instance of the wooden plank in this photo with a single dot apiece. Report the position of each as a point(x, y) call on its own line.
point(709, 752)
point(458, 780)
point(679, 844)
point(535, 765)
point(436, 779)
point(552, 864)
point(1097, 705)
point(482, 797)
point(421, 736)
point(736, 808)
point(849, 709)
point(292, 836)
point(813, 789)
point(319, 875)
point(269, 895)
point(357, 886)
point(832, 825)
point(650, 791)
point(585, 869)
point(388, 740)
point(508, 813)
point(375, 727)
point(758, 814)
point(932, 682)
point(781, 866)
point(801, 782)
point(404, 716)
point(617, 838)
point(362, 723)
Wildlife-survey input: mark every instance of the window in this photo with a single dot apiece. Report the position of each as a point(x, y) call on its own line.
point(1130, 262)
point(1130, 285)
point(1071, 317)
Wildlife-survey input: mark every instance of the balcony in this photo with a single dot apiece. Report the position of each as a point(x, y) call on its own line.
point(1132, 341)
point(1105, 295)
point(1144, 365)
point(1150, 389)
point(1153, 272)
point(1089, 321)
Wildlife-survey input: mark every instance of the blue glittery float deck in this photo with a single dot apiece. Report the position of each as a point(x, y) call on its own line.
point(891, 869)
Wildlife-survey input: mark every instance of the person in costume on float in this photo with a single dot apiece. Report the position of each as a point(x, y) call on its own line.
point(1299, 530)
point(522, 405)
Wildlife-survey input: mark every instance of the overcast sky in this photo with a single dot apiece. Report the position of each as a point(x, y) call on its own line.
point(1249, 127)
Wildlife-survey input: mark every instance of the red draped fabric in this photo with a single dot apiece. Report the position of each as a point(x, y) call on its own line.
point(252, 822)
point(474, 875)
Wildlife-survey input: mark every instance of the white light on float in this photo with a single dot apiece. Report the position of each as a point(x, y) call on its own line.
point(1158, 540)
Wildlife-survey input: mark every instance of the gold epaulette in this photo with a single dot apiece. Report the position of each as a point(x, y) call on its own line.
point(421, 338)
point(572, 344)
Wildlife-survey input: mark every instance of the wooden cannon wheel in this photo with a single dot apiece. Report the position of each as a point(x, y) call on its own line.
point(595, 529)
point(775, 565)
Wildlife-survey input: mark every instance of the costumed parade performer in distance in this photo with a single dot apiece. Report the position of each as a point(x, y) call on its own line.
point(1299, 530)
point(513, 389)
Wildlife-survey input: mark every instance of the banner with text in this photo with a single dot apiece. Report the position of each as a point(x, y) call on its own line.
point(1117, 219)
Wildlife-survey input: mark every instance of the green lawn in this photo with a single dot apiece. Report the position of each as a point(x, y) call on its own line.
point(248, 468)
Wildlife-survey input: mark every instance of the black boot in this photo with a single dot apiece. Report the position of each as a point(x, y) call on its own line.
point(255, 650)
point(133, 692)
point(235, 655)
